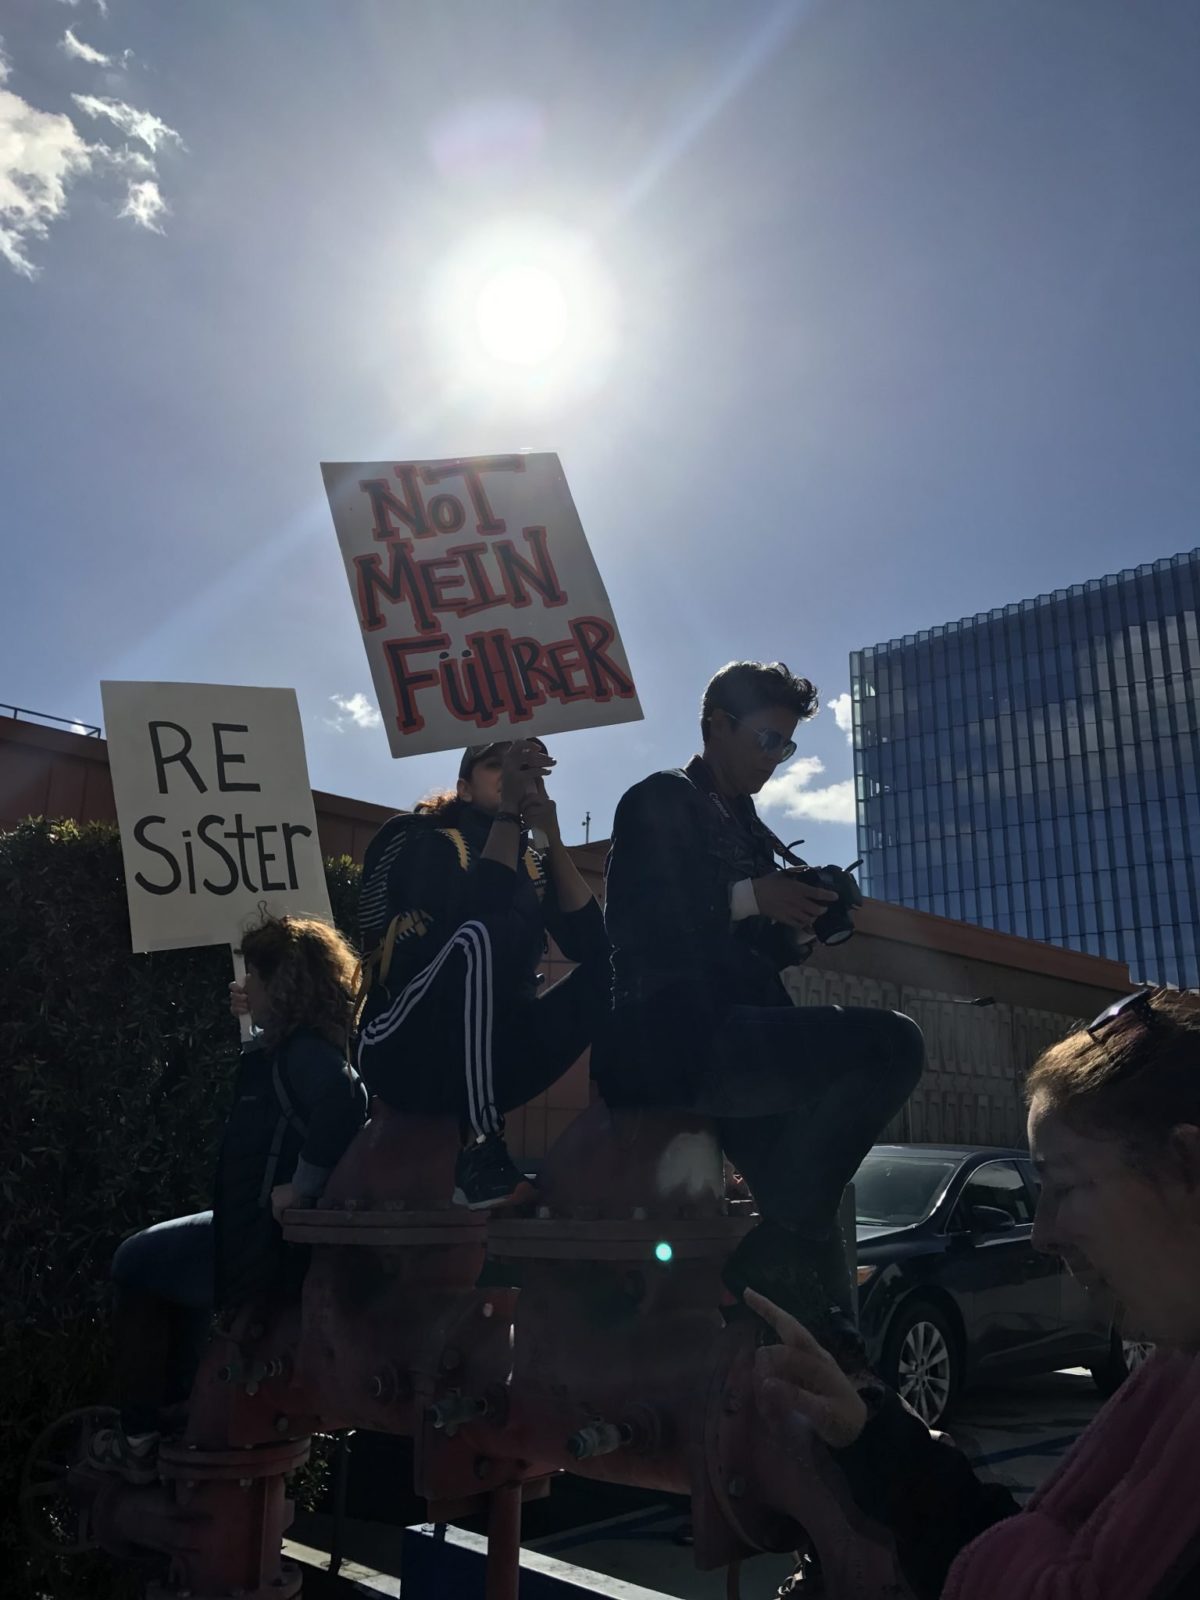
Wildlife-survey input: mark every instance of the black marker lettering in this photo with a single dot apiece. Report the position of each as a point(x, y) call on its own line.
point(162, 761)
point(139, 833)
point(228, 759)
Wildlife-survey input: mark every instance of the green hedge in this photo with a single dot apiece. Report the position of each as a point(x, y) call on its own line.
point(117, 1070)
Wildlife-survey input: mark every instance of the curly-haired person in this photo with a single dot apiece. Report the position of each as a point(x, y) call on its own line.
point(296, 1105)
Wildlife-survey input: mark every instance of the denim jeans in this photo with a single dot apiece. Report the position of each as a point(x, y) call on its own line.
point(163, 1277)
point(800, 1094)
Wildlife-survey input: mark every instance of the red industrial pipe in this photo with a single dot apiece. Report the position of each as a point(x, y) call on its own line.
point(612, 1361)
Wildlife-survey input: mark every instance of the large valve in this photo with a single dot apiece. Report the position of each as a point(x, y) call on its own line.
point(612, 1360)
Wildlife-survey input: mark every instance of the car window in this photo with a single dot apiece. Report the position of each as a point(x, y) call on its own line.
point(896, 1188)
point(997, 1184)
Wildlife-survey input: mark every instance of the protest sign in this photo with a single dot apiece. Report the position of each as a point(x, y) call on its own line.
point(216, 814)
point(480, 604)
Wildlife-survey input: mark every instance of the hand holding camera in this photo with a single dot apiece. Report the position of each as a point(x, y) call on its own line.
point(811, 899)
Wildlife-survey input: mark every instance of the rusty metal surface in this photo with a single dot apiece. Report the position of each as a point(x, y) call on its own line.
point(607, 1362)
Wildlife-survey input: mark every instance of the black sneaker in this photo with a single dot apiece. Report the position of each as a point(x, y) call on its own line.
point(779, 1266)
point(487, 1176)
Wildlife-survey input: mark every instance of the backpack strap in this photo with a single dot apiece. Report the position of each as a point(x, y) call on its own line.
point(536, 870)
point(288, 1117)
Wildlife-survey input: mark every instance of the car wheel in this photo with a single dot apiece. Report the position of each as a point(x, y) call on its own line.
point(1124, 1356)
point(921, 1361)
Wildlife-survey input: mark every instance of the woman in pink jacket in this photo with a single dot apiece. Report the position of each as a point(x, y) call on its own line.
point(1114, 1128)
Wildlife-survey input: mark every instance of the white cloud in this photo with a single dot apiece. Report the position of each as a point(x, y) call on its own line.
point(144, 205)
point(101, 5)
point(788, 791)
point(843, 715)
point(134, 124)
point(354, 710)
point(79, 51)
point(41, 152)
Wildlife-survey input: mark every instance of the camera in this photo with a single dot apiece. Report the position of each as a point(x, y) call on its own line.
point(835, 924)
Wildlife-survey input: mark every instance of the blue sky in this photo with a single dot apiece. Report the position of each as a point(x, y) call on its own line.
point(896, 319)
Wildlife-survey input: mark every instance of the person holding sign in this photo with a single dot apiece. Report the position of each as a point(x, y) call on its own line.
point(296, 1105)
point(456, 906)
point(702, 921)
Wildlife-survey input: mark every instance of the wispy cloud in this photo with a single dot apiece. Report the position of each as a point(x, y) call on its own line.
point(843, 715)
point(353, 711)
point(152, 131)
point(41, 152)
point(101, 5)
point(144, 205)
point(789, 791)
point(79, 51)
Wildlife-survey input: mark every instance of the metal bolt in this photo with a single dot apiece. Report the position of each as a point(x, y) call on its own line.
point(543, 1213)
point(282, 1424)
point(639, 1213)
point(488, 1308)
point(737, 1488)
point(244, 1483)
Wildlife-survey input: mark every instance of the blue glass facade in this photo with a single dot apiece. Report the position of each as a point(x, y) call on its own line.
point(1035, 768)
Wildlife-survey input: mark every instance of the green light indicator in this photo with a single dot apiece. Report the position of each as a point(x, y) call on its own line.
point(663, 1251)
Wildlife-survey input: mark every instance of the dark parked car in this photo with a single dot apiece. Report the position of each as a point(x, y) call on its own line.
point(951, 1290)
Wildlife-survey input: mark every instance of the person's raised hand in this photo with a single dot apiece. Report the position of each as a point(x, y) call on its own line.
point(239, 1006)
point(283, 1198)
point(525, 765)
point(539, 811)
point(784, 898)
point(800, 1378)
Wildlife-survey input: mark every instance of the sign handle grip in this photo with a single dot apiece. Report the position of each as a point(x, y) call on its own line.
point(239, 973)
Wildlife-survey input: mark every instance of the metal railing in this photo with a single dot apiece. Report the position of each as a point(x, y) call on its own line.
point(72, 724)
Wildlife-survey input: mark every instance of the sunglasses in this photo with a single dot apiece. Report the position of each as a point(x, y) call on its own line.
point(1138, 1007)
point(768, 741)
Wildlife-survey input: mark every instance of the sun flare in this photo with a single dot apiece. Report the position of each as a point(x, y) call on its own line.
point(524, 308)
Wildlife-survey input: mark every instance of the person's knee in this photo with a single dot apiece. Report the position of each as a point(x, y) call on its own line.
point(907, 1049)
point(128, 1262)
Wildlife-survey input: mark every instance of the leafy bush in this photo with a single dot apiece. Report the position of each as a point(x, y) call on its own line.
point(118, 1069)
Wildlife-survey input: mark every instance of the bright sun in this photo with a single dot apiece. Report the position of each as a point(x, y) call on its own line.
point(523, 309)
point(521, 315)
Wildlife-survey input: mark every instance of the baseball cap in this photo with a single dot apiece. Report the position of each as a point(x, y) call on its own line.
point(475, 753)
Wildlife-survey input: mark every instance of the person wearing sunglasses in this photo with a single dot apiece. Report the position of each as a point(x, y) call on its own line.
point(703, 917)
point(1114, 1129)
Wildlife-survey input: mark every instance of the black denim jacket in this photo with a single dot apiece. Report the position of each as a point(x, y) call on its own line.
point(679, 961)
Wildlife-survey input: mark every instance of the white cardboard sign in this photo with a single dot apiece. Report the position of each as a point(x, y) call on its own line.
point(479, 600)
point(215, 809)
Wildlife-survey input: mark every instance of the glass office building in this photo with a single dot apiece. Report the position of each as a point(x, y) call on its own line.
point(1035, 768)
